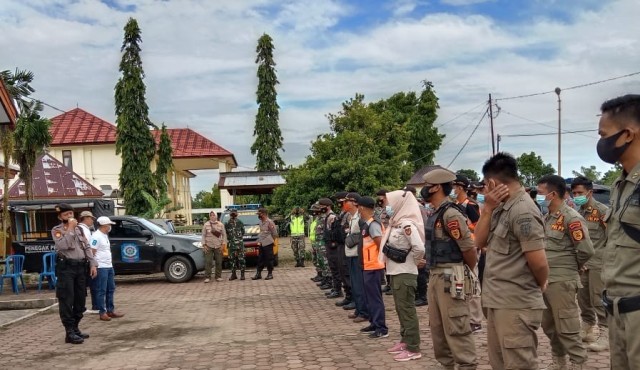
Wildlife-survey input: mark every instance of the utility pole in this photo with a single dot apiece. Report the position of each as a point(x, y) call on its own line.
point(493, 141)
point(558, 90)
point(499, 139)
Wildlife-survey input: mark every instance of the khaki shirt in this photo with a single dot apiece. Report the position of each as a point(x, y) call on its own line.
point(209, 238)
point(455, 224)
point(268, 232)
point(593, 213)
point(72, 244)
point(516, 228)
point(568, 245)
point(621, 268)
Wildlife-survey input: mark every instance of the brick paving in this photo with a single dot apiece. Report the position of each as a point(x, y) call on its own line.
point(285, 323)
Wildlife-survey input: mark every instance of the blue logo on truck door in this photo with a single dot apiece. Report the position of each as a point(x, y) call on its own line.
point(130, 252)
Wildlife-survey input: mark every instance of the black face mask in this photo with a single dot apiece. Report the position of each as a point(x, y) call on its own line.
point(607, 149)
point(426, 195)
point(65, 221)
point(380, 202)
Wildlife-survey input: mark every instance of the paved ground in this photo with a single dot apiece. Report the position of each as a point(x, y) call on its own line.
point(285, 323)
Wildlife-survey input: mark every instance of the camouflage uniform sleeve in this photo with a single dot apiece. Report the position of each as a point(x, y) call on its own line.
point(579, 234)
point(240, 226)
point(456, 225)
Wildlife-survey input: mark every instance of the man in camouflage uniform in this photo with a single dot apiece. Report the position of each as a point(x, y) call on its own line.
point(235, 235)
point(296, 227)
point(315, 254)
point(326, 282)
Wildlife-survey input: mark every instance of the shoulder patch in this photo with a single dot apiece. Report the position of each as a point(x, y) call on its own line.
point(575, 225)
point(454, 229)
point(577, 235)
point(58, 234)
point(94, 242)
point(407, 230)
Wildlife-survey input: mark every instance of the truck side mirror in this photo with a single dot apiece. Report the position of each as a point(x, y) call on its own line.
point(146, 233)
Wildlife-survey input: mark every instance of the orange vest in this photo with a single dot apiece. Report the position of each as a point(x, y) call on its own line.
point(370, 252)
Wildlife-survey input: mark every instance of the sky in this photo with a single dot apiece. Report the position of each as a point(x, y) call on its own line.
point(199, 60)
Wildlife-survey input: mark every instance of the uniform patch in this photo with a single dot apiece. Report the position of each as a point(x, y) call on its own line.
point(94, 242)
point(454, 229)
point(575, 225)
point(407, 230)
point(577, 235)
point(525, 228)
point(58, 234)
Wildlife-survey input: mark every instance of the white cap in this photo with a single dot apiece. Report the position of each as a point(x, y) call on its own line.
point(104, 220)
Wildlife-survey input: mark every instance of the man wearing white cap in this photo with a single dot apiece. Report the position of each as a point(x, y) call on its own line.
point(106, 282)
point(86, 225)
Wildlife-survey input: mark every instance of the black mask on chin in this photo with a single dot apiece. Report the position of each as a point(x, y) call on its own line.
point(607, 149)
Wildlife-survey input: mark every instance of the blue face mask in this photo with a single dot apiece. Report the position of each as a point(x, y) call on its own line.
point(389, 211)
point(453, 194)
point(580, 200)
point(542, 200)
point(480, 198)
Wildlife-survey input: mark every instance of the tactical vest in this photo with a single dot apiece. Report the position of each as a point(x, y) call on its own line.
point(312, 229)
point(297, 226)
point(440, 251)
point(370, 251)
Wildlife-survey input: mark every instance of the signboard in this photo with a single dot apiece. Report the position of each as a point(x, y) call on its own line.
point(130, 252)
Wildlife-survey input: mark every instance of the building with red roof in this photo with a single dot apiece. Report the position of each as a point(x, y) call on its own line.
point(86, 144)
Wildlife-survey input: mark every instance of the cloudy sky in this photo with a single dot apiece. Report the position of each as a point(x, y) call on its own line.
point(200, 72)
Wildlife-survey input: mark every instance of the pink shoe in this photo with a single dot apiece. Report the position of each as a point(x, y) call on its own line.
point(407, 356)
point(397, 348)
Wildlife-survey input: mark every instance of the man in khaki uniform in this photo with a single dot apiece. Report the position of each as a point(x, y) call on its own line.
point(568, 250)
point(516, 269)
point(214, 240)
point(448, 247)
point(590, 295)
point(619, 130)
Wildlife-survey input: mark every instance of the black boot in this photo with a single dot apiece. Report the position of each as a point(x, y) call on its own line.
point(233, 275)
point(317, 278)
point(301, 263)
point(77, 332)
point(258, 276)
point(72, 337)
point(269, 276)
point(297, 264)
point(241, 274)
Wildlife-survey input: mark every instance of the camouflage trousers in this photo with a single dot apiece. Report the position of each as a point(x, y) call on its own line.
point(314, 256)
point(321, 258)
point(297, 244)
point(236, 257)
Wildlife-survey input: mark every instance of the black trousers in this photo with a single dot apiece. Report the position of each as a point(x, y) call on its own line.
point(423, 279)
point(345, 276)
point(481, 263)
point(333, 256)
point(71, 291)
point(265, 258)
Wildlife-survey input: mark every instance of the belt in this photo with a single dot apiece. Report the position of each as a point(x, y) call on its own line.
point(625, 304)
point(71, 262)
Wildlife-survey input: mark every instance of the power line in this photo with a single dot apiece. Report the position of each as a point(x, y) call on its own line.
point(461, 114)
point(463, 129)
point(469, 138)
point(544, 124)
point(548, 133)
point(571, 88)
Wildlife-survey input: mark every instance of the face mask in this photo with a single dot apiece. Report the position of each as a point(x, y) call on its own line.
point(234, 215)
point(607, 149)
point(453, 194)
point(429, 207)
point(480, 198)
point(426, 195)
point(380, 202)
point(389, 211)
point(542, 200)
point(580, 200)
point(65, 221)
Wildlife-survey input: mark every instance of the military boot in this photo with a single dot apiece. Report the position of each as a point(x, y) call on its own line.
point(587, 333)
point(269, 276)
point(301, 263)
point(559, 363)
point(77, 332)
point(602, 343)
point(241, 274)
point(233, 275)
point(72, 337)
point(258, 276)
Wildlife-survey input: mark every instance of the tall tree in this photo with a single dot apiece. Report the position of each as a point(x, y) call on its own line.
point(472, 175)
point(612, 175)
point(31, 138)
point(133, 137)
point(268, 136)
point(589, 172)
point(207, 199)
point(165, 163)
point(532, 168)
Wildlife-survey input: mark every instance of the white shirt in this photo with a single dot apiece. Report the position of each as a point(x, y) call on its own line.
point(354, 228)
point(86, 231)
point(100, 243)
point(405, 236)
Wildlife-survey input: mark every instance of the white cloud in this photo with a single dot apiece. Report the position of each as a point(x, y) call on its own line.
point(464, 2)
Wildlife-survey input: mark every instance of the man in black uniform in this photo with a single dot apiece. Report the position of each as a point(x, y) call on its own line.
point(73, 256)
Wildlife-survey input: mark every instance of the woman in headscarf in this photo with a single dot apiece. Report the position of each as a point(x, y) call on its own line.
point(403, 243)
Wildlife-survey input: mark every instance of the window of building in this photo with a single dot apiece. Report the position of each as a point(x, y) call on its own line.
point(66, 159)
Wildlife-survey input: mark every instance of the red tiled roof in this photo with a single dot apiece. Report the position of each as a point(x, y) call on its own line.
point(80, 127)
point(187, 143)
point(51, 179)
point(7, 104)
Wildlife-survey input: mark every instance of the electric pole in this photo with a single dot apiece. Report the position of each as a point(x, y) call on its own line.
point(558, 90)
point(499, 139)
point(493, 141)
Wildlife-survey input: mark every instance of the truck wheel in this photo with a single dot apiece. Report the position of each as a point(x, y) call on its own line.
point(275, 260)
point(178, 269)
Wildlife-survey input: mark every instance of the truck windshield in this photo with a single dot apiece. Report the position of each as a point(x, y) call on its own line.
point(152, 227)
point(247, 220)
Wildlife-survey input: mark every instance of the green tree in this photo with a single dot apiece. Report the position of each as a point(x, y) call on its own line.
point(165, 163)
point(532, 168)
point(612, 175)
point(133, 137)
point(364, 151)
point(472, 175)
point(31, 137)
point(207, 199)
point(268, 136)
point(589, 172)
point(156, 206)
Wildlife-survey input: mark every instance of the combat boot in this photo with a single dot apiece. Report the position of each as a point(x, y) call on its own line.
point(316, 278)
point(258, 276)
point(72, 337)
point(241, 274)
point(559, 363)
point(301, 263)
point(602, 343)
point(587, 333)
point(82, 335)
point(269, 276)
point(233, 275)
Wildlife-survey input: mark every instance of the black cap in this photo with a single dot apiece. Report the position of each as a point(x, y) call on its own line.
point(339, 196)
point(325, 202)
point(382, 192)
point(477, 184)
point(63, 207)
point(461, 181)
point(367, 202)
point(355, 197)
point(410, 188)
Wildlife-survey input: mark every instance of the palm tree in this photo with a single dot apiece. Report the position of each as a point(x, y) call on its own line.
point(31, 137)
